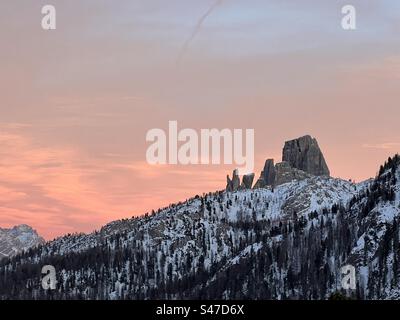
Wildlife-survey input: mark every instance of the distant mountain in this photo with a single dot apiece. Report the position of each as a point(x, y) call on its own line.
point(17, 239)
point(280, 241)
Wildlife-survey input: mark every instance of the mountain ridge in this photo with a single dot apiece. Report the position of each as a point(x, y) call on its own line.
point(283, 242)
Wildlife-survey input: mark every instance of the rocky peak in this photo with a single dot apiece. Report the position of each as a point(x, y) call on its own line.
point(234, 184)
point(304, 154)
point(247, 181)
point(267, 177)
point(301, 159)
point(17, 239)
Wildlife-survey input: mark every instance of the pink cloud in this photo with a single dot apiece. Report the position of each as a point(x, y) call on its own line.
point(59, 189)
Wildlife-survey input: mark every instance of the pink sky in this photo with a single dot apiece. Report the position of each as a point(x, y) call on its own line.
point(76, 102)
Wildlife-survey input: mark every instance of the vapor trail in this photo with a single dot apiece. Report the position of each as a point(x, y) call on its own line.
point(197, 29)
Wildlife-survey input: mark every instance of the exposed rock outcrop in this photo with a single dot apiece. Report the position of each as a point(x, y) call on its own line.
point(267, 177)
point(304, 154)
point(235, 180)
point(247, 181)
point(286, 173)
point(229, 186)
point(18, 239)
point(269, 172)
point(234, 184)
point(301, 159)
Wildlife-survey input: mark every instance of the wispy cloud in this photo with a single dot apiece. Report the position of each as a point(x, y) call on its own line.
point(384, 146)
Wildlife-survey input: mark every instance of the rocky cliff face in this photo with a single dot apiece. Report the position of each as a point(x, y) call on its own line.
point(267, 177)
point(247, 181)
point(304, 154)
point(301, 159)
point(235, 185)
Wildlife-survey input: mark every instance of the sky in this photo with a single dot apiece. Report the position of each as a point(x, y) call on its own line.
point(76, 102)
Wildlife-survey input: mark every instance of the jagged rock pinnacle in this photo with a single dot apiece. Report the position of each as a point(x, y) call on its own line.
point(304, 154)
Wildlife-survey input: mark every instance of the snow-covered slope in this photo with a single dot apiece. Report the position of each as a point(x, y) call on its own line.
point(275, 205)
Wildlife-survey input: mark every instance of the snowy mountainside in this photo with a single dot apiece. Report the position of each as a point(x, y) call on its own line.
point(287, 242)
point(299, 197)
point(377, 250)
